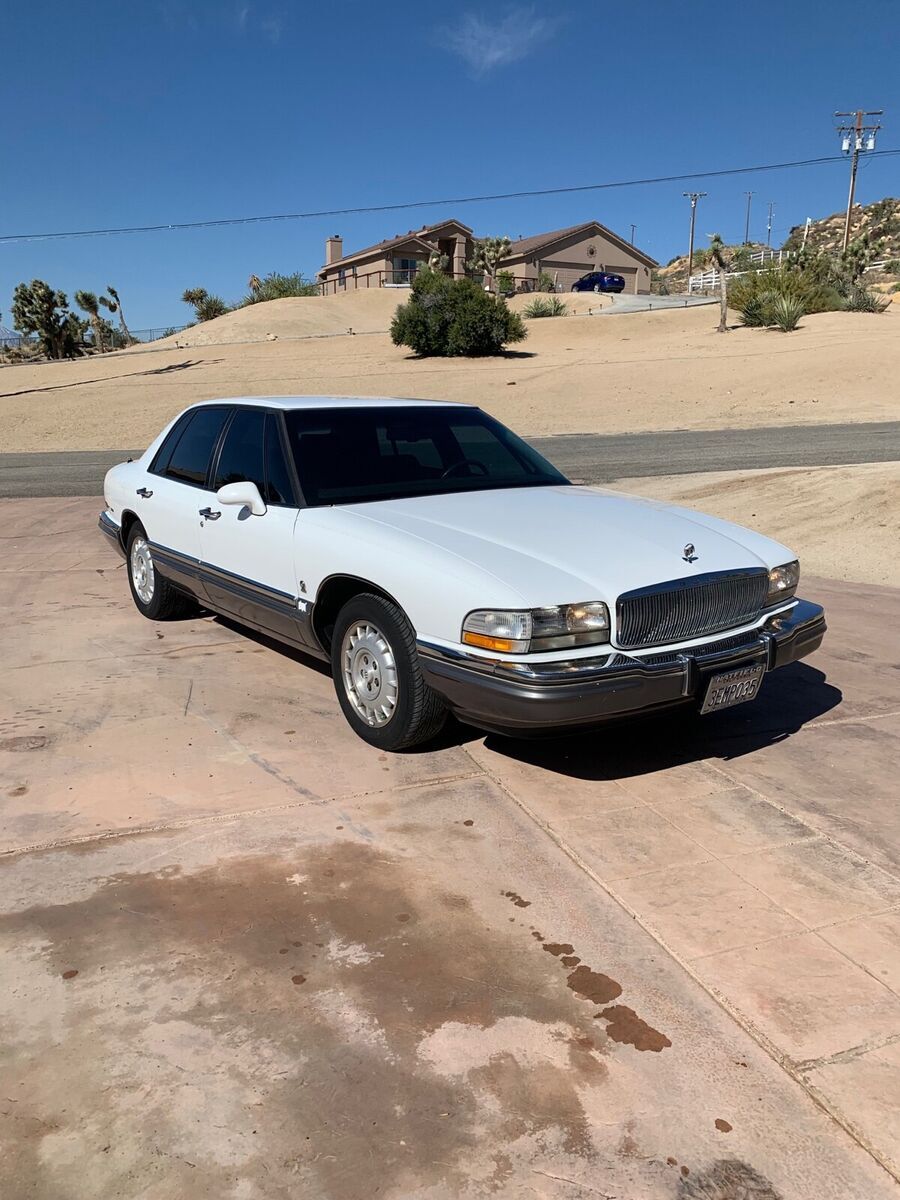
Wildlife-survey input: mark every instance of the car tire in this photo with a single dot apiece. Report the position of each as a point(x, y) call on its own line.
point(377, 676)
point(597, 287)
point(154, 597)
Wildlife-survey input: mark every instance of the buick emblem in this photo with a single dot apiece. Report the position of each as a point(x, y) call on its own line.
point(688, 555)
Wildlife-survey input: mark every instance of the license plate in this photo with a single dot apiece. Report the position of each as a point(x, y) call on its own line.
point(733, 687)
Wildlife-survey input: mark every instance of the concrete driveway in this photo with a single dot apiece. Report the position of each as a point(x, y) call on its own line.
point(245, 955)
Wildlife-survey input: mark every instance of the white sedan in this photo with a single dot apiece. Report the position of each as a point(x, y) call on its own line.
point(441, 565)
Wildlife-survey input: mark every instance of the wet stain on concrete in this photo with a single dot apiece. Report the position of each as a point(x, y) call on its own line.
point(70, 974)
point(593, 985)
point(627, 1027)
point(570, 960)
point(727, 1179)
point(310, 1070)
point(558, 948)
point(723, 1126)
point(468, 822)
point(517, 899)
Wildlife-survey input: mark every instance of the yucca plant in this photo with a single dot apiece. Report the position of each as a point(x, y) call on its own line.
point(786, 312)
point(863, 301)
point(540, 306)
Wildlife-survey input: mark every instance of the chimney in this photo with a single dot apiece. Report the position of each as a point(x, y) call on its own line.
point(334, 249)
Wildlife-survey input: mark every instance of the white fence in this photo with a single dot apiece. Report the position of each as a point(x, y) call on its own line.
point(705, 281)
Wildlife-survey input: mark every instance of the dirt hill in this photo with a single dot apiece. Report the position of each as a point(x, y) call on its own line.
point(646, 370)
point(368, 310)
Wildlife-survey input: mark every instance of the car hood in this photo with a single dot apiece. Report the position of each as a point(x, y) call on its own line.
point(553, 545)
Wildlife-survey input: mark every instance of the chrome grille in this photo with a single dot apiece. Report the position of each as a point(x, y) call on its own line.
point(682, 609)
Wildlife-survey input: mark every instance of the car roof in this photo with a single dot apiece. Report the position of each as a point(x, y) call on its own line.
point(291, 402)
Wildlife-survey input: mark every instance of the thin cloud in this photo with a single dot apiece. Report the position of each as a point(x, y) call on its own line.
point(485, 44)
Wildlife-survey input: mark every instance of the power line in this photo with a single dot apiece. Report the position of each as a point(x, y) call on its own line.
point(378, 208)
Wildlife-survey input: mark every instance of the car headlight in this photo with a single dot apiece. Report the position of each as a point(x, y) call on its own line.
point(783, 582)
point(520, 632)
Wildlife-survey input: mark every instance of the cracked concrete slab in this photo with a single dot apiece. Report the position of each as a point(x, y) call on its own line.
point(248, 956)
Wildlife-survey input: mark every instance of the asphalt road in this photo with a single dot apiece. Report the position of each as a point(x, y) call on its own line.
point(587, 458)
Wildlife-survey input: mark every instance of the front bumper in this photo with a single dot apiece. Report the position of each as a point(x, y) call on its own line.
point(511, 697)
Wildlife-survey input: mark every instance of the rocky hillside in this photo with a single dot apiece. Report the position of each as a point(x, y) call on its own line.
point(881, 221)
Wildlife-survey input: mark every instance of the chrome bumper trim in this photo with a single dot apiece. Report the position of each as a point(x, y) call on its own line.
point(510, 695)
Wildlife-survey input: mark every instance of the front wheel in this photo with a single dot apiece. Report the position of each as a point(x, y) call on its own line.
point(377, 676)
point(597, 287)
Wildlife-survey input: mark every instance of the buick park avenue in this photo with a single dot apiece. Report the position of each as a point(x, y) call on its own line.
point(439, 564)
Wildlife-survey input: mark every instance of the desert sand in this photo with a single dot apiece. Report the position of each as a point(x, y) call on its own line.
point(841, 521)
point(604, 373)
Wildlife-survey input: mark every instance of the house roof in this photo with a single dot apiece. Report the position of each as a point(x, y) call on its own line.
point(413, 235)
point(539, 241)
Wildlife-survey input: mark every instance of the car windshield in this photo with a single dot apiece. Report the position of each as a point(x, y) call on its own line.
point(355, 455)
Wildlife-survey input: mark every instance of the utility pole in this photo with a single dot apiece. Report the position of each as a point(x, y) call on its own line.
point(693, 197)
point(855, 139)
point(769, 223)
point(633, 228)
point(747, 223)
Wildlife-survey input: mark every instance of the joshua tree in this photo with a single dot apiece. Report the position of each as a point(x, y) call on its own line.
point(204, 305)
point(254, 283)
point(38, 309)
point(116, 306)
point(717, 254)
point(488, 253)
point(90, 304)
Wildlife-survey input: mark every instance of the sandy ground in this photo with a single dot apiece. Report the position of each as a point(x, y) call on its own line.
point(841, 521)
point(641, 371)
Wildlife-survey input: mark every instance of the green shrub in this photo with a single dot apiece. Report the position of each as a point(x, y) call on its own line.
point(454, 317)
point(753, 295)
point(506, 283)
point(545, 282)
point(864, 301)
point(552, 306)
point(277, 287)
point(786, 312)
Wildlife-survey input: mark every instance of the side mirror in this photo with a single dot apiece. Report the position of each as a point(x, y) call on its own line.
point(244, 493)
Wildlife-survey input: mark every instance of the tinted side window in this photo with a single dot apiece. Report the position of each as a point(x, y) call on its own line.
point(164, 453)
point(242, 456)
point(279, 489)
point(190, 457)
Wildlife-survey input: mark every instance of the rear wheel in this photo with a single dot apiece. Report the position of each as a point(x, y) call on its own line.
point(154, 597)
point(597, 287)
point(377, 676)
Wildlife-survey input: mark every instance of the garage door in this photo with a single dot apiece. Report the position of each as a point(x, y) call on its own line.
point(565, 273)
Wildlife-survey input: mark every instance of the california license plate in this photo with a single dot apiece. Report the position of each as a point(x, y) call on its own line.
point(733, 687)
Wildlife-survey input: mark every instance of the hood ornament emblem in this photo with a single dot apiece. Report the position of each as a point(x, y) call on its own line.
point(688, 553)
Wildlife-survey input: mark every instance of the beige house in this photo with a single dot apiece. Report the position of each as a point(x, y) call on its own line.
point(563, 254)
point(567, 254)
point(394, 262)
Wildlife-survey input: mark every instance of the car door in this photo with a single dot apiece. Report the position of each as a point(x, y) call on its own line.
point(175, 489)
point(248, 559)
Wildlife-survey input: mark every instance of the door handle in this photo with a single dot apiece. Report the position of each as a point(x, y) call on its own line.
point(209, 514)
point(145, 492)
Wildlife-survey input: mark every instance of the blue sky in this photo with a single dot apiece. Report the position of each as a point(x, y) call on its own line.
point(182, 110)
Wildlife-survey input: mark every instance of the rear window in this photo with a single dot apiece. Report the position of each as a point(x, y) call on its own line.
point(356, 455)
point(189, 459)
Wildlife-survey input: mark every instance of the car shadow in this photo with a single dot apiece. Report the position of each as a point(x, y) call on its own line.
point(641, 746)
point(636, 745)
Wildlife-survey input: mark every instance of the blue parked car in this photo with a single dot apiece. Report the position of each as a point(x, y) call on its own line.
point(599, 281)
